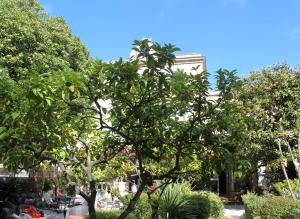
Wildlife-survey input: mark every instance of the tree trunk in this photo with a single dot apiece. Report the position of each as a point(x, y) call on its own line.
point(92, 211)
point(254, 181)
point(288, 181)
point(90, 200)
point(229, 183)
point(298, 146)
point(91, 203)
point(133, 201)
point(284, 172)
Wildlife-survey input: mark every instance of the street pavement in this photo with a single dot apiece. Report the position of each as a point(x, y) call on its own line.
point(76, 212)
point(234, 211)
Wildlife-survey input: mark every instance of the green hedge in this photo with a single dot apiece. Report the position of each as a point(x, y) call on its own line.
point(253, 205)
point(179, 202)
point(205, 204)
point(143, 209)
point(111, 214)
point(195, 205)
point(280, 207)
point(270, 207)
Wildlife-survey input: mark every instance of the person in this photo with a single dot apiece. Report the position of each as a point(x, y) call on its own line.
point(58, 193)
point(62, 197)
point(48, 199)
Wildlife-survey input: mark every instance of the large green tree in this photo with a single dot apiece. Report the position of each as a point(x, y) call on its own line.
point(79, 116)
point(227, 128)
point(130, 110)
point(32, 41)
point(270, 102)
point(33, 47)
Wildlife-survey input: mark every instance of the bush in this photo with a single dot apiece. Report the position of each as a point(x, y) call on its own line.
point(173, 202)
point(253, 204)
point(111, 214)
point(282, 188)
point(143, 208)
point(274, 207)
point(280, 207)
point(205, 204)
point(178, 201)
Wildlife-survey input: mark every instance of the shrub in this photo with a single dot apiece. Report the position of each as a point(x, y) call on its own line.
point(274, 207)
point(143, 208)
point(280, 207)
point(253, 204)
point(111, 214)
point(173, 202)
point(282, 188)
point(178, 201)
point(108, 214)
point(205, 204)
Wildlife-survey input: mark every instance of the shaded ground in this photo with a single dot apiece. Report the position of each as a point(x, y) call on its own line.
point(234, 211)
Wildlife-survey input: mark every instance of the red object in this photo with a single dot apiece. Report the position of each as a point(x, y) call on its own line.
point(75, 217)
point(153, 186)
point(31, 210)
point(58, 193)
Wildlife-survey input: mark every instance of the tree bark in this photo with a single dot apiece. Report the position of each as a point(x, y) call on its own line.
point(229, 183)
point(90, 199)
point(293, 159)
point(92, 211)
point(133, 201)
point(298, 171)
point(254, 181)
point(285, 173)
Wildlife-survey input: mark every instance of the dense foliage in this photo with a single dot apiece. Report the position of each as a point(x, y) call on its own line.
point(282, 188)
point(32, 41)
point(176, 200)
point(111, 214)
point(98, 121)
point(205, 204)
point(143, 207)
point(270, 207)
point(270, 103)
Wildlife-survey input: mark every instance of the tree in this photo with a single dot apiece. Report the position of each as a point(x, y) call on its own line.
point(147, 101)
point(227, 127)
point(62, 109)
point(131, 109)
point(270, 100)
point(138, 110)
point(33, 46)
point(32, 41)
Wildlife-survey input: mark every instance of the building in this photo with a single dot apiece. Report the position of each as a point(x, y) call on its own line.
point(194, 63)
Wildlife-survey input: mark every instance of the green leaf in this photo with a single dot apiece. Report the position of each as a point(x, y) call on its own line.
point(4, 135)
point(48, 100)
point(72, 88)
point(62, 154)
point(63, 95)
point(15, 115)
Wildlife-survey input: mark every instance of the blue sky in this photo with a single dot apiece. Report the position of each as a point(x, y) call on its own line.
point(235, 34)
